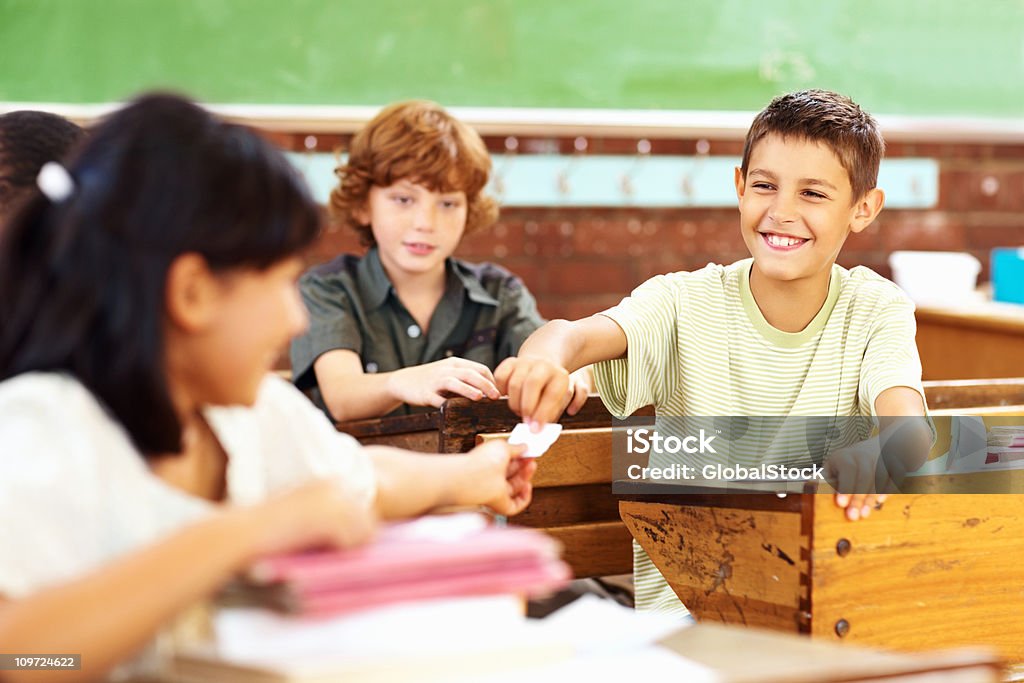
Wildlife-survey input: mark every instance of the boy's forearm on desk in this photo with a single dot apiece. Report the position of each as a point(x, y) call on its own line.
point(357, 397)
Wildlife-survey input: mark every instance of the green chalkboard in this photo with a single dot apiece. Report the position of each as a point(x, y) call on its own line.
point(915, 57)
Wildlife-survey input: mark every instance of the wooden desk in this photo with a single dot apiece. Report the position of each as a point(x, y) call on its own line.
point(981, 341)
point(572, 498)
point(768, 656)
point(973, 394)
point(925, 572)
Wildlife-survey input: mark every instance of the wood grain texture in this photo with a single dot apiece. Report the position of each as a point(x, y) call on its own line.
point(580, 456)
point(766, 657)
point(968, 344)
point(728, 565)
point(421, 442)
point(393, 424)
point(561, 505)
point(972, 393)
point(926, 571)
point(595, 549)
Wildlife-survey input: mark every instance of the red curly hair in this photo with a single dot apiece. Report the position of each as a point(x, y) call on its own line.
point(419, 141)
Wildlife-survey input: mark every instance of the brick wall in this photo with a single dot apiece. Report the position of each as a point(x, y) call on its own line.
point(578, 261)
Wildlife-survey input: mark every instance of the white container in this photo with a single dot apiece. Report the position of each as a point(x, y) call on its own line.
point(936, 277)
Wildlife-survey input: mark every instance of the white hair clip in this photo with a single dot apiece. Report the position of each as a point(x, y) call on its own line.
point(55, 182)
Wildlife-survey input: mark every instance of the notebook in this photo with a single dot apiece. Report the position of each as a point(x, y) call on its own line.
point(436, 557)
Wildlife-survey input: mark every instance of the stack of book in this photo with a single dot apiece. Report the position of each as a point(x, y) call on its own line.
point(455, 556)
point(423, 600)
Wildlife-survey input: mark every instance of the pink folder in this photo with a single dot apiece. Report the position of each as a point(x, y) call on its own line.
point(403, 565)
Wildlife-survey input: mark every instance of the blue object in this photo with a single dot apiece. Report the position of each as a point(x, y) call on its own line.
point(593, 180)
point(1008, 275)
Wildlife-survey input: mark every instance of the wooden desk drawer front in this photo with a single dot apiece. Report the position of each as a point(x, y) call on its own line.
point(927, 571)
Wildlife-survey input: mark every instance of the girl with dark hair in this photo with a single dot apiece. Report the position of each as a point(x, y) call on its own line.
point(145, 452)
point(28, 139)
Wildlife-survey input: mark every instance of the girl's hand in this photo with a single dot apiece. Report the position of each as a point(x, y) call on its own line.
point(324, 512)
point(501, 478)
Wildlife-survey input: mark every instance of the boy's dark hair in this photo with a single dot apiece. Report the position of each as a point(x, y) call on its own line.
point(418, 141)
point(82, 279)
point(829, 118)
point(28, 139)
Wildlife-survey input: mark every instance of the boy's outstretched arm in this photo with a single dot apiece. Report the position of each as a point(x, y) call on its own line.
point(903, 443)
point(537, 380)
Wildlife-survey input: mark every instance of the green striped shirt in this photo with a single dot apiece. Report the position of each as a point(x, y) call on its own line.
point(699, 345)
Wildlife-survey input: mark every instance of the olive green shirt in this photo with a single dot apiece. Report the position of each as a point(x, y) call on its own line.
point(485, 315)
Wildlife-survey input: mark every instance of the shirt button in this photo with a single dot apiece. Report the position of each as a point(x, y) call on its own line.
point(449, 353)
point(372, 367)
point(413, 331)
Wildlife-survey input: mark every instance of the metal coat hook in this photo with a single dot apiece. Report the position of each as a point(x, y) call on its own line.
point(688, 181)
point(562, 183)
point(643, 151)
point(511, 148)
point(308, 158)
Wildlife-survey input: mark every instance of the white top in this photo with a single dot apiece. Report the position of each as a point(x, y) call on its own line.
point(75, 493)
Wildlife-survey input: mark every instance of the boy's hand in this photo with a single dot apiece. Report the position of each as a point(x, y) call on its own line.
point(859, 506)
point(864, 472)
point(538, 389)
point(431, 384)
point(579, 389)
point(503, 480)
point(855, 473)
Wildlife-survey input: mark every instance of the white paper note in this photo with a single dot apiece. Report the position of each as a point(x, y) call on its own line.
point(537, 443)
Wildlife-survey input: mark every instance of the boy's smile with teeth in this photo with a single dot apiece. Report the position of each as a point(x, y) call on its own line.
point(782, 241)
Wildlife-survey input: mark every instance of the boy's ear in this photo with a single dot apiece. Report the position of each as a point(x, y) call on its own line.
point(362, 213)
point(191, 294)
point(867, 209)
point(741, 182)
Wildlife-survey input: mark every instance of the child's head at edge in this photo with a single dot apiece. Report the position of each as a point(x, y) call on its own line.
point(28, 139)
point(417, 141)
point(162, 191)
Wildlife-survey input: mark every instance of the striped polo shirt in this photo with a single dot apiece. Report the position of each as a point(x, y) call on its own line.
point(699, 345)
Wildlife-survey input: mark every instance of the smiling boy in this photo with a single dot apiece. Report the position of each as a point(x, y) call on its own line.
point(786, 332)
